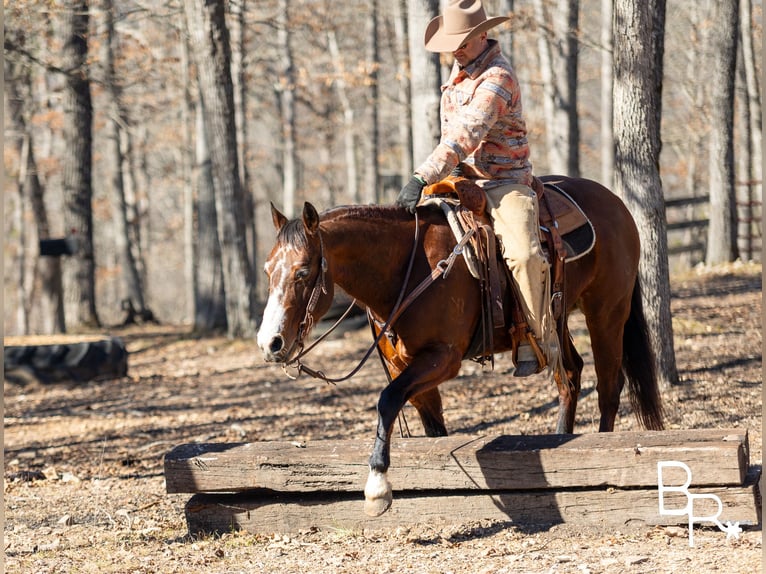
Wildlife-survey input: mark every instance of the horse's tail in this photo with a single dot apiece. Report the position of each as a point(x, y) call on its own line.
point(638, 365)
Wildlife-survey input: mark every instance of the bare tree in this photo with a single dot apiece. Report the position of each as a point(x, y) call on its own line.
point(209, 294)
point(750, 111)
point(722, 230)
point(753, 89)
point(371, 143)
point(238, 9)
point(506, 40)
point(133, 294)
point(557, 47)
point(212, 54)
point(425, 81)
point(349, 123)
point(79, 269)
point(607, 128)
point(190, 173)
point(285, 86)
point(637, 112)
point(404, 125)
point(40, 302)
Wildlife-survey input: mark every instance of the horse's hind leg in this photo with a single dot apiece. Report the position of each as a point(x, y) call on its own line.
point(429, 407)
point(606, 341)
point(568, 385)
point(426, 371)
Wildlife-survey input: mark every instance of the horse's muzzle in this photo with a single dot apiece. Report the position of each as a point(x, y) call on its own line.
point(275, 351)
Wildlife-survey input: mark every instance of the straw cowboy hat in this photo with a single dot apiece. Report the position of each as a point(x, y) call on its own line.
point(462, 20)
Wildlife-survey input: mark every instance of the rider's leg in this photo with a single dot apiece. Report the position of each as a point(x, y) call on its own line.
point(514, 210)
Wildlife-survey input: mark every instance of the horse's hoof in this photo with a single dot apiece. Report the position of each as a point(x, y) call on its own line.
point(377, 494)
point(377, 506)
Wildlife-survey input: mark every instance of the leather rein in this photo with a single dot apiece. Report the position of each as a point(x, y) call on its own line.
point(441, 269)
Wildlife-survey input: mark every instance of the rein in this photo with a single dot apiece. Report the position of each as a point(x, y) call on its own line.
point(441, 269)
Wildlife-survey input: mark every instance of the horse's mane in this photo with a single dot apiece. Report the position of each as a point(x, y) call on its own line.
point(383, 212)
point(294, 233)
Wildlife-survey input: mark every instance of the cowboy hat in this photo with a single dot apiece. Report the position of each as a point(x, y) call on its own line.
point(462, 20)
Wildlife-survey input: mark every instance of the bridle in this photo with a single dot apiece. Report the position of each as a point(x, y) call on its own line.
point(319, 289)
point(441, 269)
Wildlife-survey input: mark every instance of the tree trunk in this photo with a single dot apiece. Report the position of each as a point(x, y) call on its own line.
point(238, 73)
point(17, 85)
point(286, 89)
point(506, 39)
point(43, 303)
point(557, 45)
point(137, 204)
point(79, 269)
point(349, 145)
point(722, 230)
point(191, 170)
point(404, 124)
point(607, 128)
point(115, 124)
point(210, 42)
point(637, 112)
point(693, 145)
point(210, 298)
point(751, 111)
point(425, 81)
point(371, 188)
point(49, 306)
point(753, 90)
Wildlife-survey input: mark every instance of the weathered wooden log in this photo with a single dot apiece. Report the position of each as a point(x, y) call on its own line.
point(267, 512)
point(624, 460)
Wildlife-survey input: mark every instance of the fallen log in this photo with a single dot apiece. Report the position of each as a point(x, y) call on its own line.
point(629, 459)
point(266, 512)
point(608, 479)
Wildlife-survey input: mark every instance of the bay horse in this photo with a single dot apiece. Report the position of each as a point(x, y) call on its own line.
point(366, 250)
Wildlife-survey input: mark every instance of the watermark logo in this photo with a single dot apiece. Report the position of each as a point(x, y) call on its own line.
point(732, 530)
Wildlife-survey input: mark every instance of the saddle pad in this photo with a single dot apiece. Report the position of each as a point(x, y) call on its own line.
point(575, 228)
point(564, 209)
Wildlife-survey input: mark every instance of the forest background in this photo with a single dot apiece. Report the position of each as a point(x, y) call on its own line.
point(331, 104)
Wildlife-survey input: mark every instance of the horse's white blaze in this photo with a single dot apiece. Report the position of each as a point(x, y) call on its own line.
point(274, 315)
point(273, 319)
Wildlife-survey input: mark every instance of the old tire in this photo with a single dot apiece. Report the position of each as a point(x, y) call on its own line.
point(69, 361)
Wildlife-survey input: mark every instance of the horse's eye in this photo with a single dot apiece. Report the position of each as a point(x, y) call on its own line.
point(301, 274)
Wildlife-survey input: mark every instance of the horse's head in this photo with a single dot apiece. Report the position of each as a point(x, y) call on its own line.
point(300, 288)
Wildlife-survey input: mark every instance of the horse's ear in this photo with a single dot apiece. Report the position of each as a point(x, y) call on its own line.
point(310, 218)
point(277, 217)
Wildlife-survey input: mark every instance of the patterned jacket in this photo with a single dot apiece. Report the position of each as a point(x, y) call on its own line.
point(482, 125)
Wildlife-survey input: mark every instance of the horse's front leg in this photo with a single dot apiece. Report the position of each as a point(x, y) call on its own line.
point(426, 370)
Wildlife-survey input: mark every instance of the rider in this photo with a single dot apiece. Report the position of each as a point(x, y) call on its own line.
point(484, 136)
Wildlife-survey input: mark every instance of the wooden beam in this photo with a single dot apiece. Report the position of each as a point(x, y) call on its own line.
point(625, 460)
point(266, 512)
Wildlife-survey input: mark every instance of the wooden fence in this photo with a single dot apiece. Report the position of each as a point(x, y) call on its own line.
point(688, 221)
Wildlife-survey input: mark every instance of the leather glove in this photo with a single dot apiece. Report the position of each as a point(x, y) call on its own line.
point(410, 194)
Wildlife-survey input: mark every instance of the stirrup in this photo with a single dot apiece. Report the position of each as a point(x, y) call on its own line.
point(529, 357)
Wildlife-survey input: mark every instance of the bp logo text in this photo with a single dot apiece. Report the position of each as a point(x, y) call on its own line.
point(731, 529)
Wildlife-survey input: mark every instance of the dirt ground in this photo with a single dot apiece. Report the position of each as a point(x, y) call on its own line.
point(84, 487)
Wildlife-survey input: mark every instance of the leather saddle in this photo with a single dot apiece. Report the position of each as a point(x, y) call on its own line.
point(565, 231)
point(557, 208)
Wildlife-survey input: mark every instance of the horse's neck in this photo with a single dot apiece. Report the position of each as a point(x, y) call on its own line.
point(367, 252)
